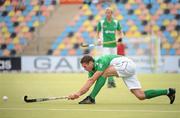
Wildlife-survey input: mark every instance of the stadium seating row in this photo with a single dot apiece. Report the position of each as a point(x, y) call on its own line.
point(19, 21)
point(138, 19)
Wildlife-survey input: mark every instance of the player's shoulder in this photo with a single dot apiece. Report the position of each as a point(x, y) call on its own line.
point(102, 21)
point(116, 21)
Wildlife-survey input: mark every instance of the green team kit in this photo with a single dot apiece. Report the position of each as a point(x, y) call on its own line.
point(101, 64)
point(108, 34)
point(108, 30)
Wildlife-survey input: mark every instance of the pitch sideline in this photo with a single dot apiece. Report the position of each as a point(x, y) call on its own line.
point(92, 110)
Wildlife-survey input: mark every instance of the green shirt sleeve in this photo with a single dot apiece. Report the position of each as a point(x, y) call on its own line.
point(118, 26)
point(99, 26)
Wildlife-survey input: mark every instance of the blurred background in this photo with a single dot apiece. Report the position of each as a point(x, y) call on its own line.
point(45, 35)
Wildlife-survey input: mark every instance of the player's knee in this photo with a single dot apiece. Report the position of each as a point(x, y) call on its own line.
point(140, 97)
point(139, 94)
point(105, 75)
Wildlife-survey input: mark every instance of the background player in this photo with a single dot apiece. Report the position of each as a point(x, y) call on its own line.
point(106, 31)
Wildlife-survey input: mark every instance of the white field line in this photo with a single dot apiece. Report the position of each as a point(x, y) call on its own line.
point(91, 110)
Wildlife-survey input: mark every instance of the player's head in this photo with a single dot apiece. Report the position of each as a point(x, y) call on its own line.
point(87, 62)
point(109, 12)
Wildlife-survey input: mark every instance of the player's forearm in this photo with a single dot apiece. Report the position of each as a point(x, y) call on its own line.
point(98, 35)
point(86, 87)
point(121, 35)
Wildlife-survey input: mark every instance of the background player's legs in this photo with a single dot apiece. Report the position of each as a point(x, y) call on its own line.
point(111, 82)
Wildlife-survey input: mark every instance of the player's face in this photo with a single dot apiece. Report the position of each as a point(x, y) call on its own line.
point(88, 66)
point(108, 13)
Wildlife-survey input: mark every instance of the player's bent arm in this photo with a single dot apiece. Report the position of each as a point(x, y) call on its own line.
point(89, 83)
point(98, 38)
point(121, 34)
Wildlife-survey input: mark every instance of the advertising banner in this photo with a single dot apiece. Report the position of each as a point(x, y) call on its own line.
point(51, 64)
point(144, 64)
point(10, 63)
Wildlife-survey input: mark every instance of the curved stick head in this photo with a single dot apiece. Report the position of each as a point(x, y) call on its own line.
point(29, 100)
point(84, 45)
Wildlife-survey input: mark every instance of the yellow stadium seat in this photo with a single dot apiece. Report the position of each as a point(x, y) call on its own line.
point(4, 29)
point(131, 2)
point(129, 34)
point(133, 28)
point(85, 7)
point(90, 29)
point(163, 6)
point(148, 17)
point(97, 18)
point(16, 40)
point(11, 13)
point(178, 39)
point(137, 11)
point(73, 40)
point(36, 24)
point(7, 3)
point(147, 39)
point(119, 17)
point(36, 8)
point(25, 29)
point(113, 7)
point(20, 18)
point(86, 23)
point(87, 13)
point(174, 34)
point(61, 46)
point(6, 35)
point(155, 28)
point(166, 22)
point(167, 46)
point(137, 34)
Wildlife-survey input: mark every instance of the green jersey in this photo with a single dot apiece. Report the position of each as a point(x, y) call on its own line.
point(102, 63)
point(108, 30)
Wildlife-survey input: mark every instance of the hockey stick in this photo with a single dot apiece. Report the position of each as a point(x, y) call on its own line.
point(96, 44)
point(42, 99)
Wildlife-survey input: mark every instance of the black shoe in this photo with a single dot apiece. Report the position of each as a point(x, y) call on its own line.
point(171, 95)
point(87, 100)
point(111, 85)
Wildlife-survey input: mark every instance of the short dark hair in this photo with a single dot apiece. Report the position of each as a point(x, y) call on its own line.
point(87, 59)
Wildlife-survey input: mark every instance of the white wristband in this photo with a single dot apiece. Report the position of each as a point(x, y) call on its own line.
point(99, 39)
